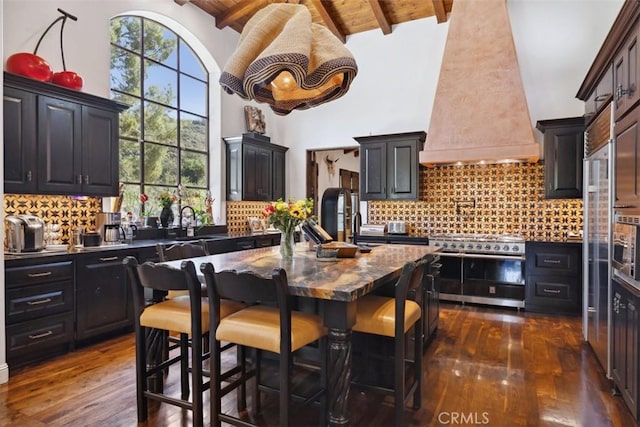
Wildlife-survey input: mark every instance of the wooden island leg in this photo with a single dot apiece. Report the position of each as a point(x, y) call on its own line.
point(339, 317)
point(339, 376)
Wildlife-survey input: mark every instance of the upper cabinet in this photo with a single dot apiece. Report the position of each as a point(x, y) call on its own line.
point(626, 76)
point(389, 167)
point(255, 168)
point(563, 153)
point(59, 141)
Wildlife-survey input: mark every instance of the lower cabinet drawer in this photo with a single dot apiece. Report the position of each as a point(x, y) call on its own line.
point(31, 340)
point(29, 302)
point(553, 294)
point(555, 290)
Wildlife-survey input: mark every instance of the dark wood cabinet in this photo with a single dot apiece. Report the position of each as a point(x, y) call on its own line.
point(626, 76)
point(626, 356)
point(563, 153)
point(389, 167)
point(553, 277)
point(39, 307)
point(20, 163)
point(255, 168)
point(103, 294)
point(626, 172)
point(61, 141)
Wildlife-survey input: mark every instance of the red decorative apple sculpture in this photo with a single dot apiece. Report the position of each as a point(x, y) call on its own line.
point(32, 66)
point(68, 79)
point(29, 65)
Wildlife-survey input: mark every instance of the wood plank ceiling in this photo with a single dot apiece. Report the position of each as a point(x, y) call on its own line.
point(342, 17)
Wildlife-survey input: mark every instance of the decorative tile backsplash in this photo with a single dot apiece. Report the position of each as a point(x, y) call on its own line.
point(502, 198)
point(66, 211)
point(238, 214)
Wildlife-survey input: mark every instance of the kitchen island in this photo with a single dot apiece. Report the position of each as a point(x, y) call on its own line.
point(337, 285)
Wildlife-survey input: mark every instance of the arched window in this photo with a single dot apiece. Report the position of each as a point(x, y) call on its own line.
point(164, 135)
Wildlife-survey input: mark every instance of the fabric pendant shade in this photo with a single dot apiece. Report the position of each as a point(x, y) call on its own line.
point(288, 62)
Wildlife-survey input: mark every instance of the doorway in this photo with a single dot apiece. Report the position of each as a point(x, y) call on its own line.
point(335, 167)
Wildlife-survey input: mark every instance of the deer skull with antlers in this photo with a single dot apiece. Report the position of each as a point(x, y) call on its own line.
point(330, 164)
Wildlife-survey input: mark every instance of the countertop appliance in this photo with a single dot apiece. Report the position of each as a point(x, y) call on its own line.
point(598, 230)
point(373, 230)
point(397, 227)
point(336, 213)
point(108, 225)
point(482, 268)
point(25, 233)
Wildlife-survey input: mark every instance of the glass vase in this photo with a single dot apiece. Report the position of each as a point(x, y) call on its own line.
point(166, 217)
point(287, 244)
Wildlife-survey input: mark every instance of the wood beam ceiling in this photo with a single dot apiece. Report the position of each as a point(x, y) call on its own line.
point(379, 14)
point(328, 20)
point(439, 11)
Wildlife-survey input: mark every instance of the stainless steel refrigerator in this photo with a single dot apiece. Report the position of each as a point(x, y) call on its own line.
point(597, 246)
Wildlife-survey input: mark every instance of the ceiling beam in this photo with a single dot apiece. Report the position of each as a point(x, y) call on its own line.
point(379, 14)
point(238, 11)
point(328, 20)
point(439, 11)
point(182, 2)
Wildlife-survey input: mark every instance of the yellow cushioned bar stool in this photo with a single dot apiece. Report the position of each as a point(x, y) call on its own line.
point(267, 324)
point(182, 250)
point(394, 317)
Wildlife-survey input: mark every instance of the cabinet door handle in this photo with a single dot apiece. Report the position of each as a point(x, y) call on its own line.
point(43, 274)
point(40, 301)
point(86, 179)
point(111, 258)
point(42, 335)
point(623, 206)
point(79, 179)
point(29, 176)
point(551, 291)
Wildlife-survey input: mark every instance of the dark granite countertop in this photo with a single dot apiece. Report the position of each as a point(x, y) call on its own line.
point(342, 279)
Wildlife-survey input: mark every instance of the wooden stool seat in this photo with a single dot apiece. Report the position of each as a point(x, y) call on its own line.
point(175, 314)
point(377, 315)
point(259, 327)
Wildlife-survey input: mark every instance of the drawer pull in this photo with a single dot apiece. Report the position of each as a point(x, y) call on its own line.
point(551, 291)
point(43, 274)
point(42, 335)
point(41, 301)
point(551, 261)
point(111, 258)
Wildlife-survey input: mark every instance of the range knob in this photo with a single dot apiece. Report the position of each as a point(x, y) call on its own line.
point(452, 245)
point(505, 248)
point(444, 245)
point(515, 248)
point(478, 246)
point(496, 248)
point(487, 247)
point(470, 246)
point(436, 244)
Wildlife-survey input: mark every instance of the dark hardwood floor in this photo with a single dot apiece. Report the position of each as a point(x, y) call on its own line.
point(486, 366)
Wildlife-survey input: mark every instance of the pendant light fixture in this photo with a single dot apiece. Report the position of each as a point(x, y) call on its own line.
point(288, 62)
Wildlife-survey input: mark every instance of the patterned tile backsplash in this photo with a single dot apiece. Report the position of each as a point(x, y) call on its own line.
point(501, 198)
point(505, 198)
point(66, 211)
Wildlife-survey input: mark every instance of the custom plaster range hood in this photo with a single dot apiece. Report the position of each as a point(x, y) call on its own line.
point(480, 112)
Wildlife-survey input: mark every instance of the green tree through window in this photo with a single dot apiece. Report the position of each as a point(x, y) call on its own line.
point(164, 135)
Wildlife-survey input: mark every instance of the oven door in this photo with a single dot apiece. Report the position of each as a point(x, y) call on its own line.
point(494, 279)
point(451, 276)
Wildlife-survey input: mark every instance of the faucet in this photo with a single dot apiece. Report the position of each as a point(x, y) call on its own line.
point(193, 215)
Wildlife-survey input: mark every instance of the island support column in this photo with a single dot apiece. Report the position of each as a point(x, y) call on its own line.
point(339, 317)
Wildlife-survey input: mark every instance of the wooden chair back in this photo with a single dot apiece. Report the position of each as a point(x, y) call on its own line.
point(250, 288)
point(181, 251)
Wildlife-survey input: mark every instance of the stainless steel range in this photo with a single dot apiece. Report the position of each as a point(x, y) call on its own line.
point(482, 268)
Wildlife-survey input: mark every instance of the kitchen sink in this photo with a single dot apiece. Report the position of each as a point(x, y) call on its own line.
point(205, 237)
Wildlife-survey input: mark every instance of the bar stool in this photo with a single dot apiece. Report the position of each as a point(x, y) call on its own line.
point(182, 250)
point(267, 324)
point(394, 317)
point(188, 315)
